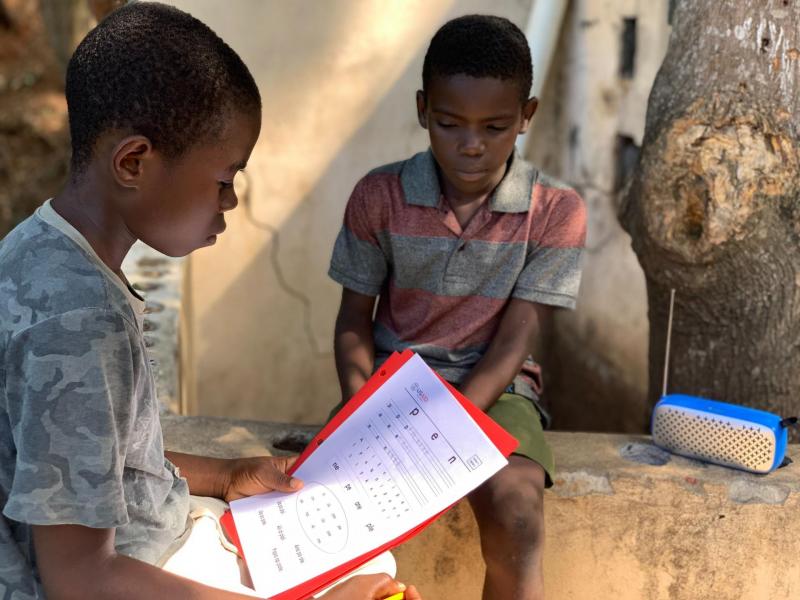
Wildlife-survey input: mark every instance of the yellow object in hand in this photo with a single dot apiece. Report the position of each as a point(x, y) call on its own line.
point(399, 596)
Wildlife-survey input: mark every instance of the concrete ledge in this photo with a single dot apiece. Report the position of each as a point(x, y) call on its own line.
point(229, 438)
point(625, 521)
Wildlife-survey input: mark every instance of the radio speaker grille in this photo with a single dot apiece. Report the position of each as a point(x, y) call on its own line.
point(715, 438)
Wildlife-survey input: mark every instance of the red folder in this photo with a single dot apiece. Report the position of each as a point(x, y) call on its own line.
point(503, 440)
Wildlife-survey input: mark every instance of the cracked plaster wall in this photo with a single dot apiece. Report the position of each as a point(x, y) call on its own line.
point(338, 87)
point(586, 107)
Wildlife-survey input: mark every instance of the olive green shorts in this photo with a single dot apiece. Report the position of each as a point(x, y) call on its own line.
point(519, 417)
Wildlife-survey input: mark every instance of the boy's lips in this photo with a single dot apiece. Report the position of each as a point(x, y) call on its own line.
point(472, 175)
point(221, 229)
point(213, 236)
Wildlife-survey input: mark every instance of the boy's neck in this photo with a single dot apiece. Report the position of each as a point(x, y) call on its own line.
point(466, 204)
point(84, 205)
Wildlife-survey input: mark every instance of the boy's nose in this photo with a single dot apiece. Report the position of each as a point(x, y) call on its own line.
point(472, 145)
point(229, 202)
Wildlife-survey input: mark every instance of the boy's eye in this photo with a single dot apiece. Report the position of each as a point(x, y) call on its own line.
point(445, 124)
point(497, 127)
point(224, 185)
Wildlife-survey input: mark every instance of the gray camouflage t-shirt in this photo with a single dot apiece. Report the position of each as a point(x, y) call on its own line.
point(80, 437)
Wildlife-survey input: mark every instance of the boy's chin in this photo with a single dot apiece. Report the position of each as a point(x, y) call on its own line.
point(208, 241)
point(179, 251)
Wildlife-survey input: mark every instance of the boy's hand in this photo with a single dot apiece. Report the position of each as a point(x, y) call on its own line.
point(371, 587)
point(258, 475)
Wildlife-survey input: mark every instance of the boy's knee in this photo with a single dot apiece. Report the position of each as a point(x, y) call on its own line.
point(519, 516)
point(511, 517)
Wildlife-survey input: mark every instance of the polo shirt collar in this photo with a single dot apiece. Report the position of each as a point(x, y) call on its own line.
point(420, 184)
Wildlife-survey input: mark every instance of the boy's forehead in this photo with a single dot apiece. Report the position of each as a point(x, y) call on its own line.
point(462, 90)
point(239, 125)
point(231, 147)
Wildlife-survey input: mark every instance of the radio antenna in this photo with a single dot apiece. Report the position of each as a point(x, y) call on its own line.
point(669, 338)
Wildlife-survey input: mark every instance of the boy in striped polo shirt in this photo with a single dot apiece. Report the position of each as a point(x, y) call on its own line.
point(469, 248)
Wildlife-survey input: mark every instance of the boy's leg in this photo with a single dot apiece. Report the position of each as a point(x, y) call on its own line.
point(509, 506)
point(510, 513)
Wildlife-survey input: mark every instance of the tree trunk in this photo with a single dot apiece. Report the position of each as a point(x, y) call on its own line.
point(714, 205)
point(5, 19)
point(66, 22)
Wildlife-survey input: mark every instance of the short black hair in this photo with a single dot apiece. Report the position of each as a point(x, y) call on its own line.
point(480, 46)
point(159, 72)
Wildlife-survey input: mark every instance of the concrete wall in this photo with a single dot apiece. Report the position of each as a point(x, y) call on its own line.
point(598, 366)
point(338, 81)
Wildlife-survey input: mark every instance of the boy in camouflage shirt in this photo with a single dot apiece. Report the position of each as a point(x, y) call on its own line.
point(163, 114)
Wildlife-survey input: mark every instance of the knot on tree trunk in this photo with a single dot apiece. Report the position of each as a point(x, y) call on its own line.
point(708, 178)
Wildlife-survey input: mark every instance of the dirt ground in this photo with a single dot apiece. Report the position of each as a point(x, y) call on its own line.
point(34, 136)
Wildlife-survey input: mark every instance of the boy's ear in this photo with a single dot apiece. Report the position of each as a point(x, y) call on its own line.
point(128, 159)
point(421, 109)
point(528, 110)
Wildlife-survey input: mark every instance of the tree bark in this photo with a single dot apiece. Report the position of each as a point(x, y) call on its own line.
point(66, 22)
point(5, 19)
point(713, 207)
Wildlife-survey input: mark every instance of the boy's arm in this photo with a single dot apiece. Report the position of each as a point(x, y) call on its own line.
point(353, 343)
point(550, 278)
point(80, 562)
point(522, 325)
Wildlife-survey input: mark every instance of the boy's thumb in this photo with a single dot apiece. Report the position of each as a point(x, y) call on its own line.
point(278, 480)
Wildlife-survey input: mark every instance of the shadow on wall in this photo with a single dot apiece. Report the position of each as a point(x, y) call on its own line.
point(335, 105)
point(289, 273)
point(263, 329)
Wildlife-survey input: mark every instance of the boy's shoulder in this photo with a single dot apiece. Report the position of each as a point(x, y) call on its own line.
point(551, 196)
point(393, 168)
point(553, 183)
point(418, 180)
point(558, 212)
point(389, 188)
point(412, 181)
point(44, 273)
point(392, 190)
point(395, 176)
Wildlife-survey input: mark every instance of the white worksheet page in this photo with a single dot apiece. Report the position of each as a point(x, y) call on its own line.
point(406, 454)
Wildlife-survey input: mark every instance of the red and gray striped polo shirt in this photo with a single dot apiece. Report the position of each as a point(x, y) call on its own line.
point(443, 289)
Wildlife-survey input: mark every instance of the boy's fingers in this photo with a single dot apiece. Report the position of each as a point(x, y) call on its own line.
point(274, 478)
point(385, 586)
point(411, 593)
point(283, 463)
